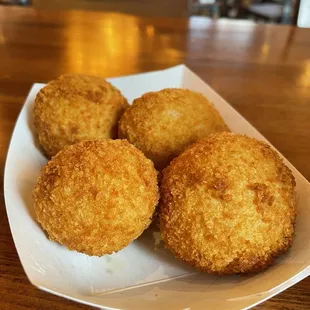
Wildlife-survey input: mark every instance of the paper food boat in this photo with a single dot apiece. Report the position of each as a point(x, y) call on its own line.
point(140, 276)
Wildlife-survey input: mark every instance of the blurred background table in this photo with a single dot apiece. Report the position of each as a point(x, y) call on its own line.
point(263, 11)
point(262, 70)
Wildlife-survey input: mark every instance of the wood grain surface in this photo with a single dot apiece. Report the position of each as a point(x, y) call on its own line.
point(262, 70)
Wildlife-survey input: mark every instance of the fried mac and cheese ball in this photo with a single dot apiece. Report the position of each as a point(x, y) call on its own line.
point(228, 205)
point(74, 108)
point(162, 124)
point(97, 196)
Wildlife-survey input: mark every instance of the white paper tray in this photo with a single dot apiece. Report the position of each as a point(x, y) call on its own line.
point(139, 277)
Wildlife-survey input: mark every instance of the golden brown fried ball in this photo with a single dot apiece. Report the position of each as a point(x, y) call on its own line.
point(74, 108)
point(96, 197)
point(228, 205)
point(162, 124)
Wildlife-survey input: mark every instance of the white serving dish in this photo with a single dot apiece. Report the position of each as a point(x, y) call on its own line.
point(139, 277)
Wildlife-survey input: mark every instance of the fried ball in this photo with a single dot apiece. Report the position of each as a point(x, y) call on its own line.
point(228, 205)
point(162, 124)
point(74, 108)
point(96, 197)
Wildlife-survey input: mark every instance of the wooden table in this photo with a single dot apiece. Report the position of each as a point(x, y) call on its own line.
point(262, 70)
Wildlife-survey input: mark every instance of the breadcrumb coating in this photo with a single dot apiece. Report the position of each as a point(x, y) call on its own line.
point(97, 196)
point(228, 205)
point(162, 124)
point(74, 108)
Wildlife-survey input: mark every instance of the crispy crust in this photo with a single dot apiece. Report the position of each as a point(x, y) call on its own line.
point(228, 205)
point(162, 124)
point(96, 197)
point(74, 108)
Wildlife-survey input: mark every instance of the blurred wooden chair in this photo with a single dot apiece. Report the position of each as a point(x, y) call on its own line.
point(271, 11)
point(278, 11)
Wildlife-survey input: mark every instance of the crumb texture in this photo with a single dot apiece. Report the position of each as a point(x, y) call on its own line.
point(228, 205)
point(96, 197)
point(74, 108)
point(162, 124)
